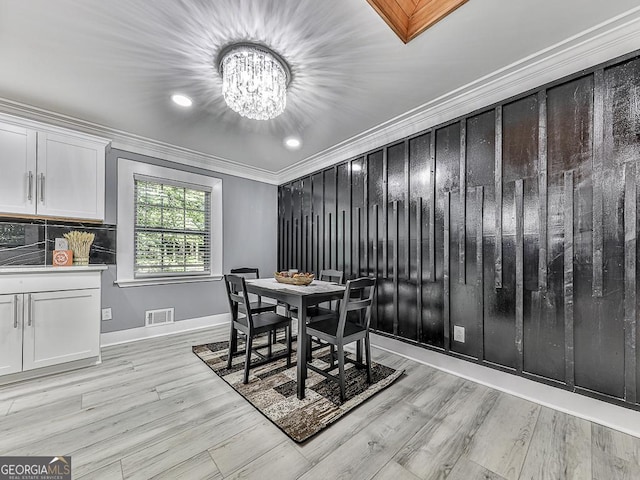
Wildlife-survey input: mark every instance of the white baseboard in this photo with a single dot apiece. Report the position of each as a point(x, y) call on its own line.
point(181, 326)
point(597, 411)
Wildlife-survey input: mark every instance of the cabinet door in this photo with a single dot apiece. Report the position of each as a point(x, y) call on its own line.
point(61, 327)
point(10, 334)
point(70, 177)
point(18, 167)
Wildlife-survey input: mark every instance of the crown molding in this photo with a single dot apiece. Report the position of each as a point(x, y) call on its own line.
point(613, 38)
point(33, 117)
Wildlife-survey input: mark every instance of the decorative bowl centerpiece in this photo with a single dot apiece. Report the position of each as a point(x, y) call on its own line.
point(296, 278)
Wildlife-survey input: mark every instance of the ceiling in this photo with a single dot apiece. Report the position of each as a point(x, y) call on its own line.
point(117, 63)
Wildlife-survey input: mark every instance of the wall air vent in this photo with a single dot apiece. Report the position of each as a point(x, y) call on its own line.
point(158, 317)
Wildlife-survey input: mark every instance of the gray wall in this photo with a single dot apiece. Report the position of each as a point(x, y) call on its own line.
point(249, 239)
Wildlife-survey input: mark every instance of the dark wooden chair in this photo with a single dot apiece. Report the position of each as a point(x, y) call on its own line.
point(323, 309)
point(257, 306)
point(350, 324)
point(252, 324)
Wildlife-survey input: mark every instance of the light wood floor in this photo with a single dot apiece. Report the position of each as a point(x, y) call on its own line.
point(154, 410)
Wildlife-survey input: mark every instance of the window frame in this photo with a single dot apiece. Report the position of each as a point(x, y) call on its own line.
point(127, 172)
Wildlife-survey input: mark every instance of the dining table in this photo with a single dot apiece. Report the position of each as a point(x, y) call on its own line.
point(302, 297)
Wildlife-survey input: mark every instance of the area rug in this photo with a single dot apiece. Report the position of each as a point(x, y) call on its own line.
point(272, 388)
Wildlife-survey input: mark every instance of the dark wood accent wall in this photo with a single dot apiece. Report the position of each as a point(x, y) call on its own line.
point(517, 222)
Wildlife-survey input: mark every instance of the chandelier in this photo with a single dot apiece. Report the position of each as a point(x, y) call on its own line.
point(254, 80)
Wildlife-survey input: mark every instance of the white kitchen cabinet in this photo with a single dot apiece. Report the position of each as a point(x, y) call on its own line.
point(18, 162)
point(60, 327)
point(51, 172)
point(49, 320)
point(10, 334)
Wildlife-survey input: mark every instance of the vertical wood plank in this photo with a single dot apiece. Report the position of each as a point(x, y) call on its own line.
point(462, 229)
point(498, 196)
point(318, 244)
point(343, 243)
point(598, 154)
point(419, 266)
point(385, 213)
point(396, 260)
point(519, 201)
point(432, 206)
point(376, 229)
point(324, 226)
point(630, 244)
point(335, 216)
point(407, 211)
point(329, 235)
point(312, 259)
point(344, 235)
point(296, 245)
point(288, 229)
point(305, 242)
point(480, 268)
point(445, 271)
point(568, 279)
point(365, 204)
point(542, 190)
point(359, 239)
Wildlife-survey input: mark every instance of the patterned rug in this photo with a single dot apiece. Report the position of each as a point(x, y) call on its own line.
point(272, 388)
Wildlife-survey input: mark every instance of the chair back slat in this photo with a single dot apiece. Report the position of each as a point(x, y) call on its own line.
point(247, 272)
point(366, 287)
point(332, 276)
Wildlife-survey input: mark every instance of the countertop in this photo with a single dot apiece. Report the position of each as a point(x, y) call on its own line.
point(25, 269)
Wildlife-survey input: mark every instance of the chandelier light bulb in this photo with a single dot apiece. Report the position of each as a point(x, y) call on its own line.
point(254, 81)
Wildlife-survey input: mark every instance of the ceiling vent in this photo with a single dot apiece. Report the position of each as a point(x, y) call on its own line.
point(158, 317)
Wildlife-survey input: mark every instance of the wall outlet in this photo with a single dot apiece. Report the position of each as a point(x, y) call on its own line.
point(458, 333)
point(106, 314)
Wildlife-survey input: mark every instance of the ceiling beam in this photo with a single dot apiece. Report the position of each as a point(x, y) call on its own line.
point(409, 18)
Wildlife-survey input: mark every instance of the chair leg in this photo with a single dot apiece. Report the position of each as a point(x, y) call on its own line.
point(341, 370)
point(288, 333)
point(247, 360)
point(269, 351)
point(367, 347)
point(233, 341)
point(359, 351)
point(333, 356)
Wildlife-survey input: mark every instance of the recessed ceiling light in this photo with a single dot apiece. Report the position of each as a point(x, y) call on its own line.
point(181, 100)
point(292, 143)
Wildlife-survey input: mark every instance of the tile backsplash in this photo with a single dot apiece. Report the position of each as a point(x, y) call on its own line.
point(31, 242)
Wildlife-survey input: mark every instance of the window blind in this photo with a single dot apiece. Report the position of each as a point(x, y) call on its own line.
point(172, 232)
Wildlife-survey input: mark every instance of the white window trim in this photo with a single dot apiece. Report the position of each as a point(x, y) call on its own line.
point(127, 170)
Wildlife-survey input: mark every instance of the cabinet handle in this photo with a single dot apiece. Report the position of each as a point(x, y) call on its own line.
point(30, 194)
point(29, 312)
point(15, 311)
point(42, 188)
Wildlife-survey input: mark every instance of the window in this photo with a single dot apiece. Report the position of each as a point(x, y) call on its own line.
point(171, 231)
point(169, 225)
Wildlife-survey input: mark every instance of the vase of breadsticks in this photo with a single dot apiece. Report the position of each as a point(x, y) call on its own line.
point(80, 243)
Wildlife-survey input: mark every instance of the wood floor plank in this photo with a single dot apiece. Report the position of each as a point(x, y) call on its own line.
point(113, 471)
point(370, 449)
point(560, 448)
point(109, 443)
point(282, 462)
point(174, 447)
point(616, 443)
point(198, 467)
point(466, 469)
point(395, 471)
point(246, 446)
point(440, 442)
point(500, 444)
point(5, 406)
point(610, 467)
